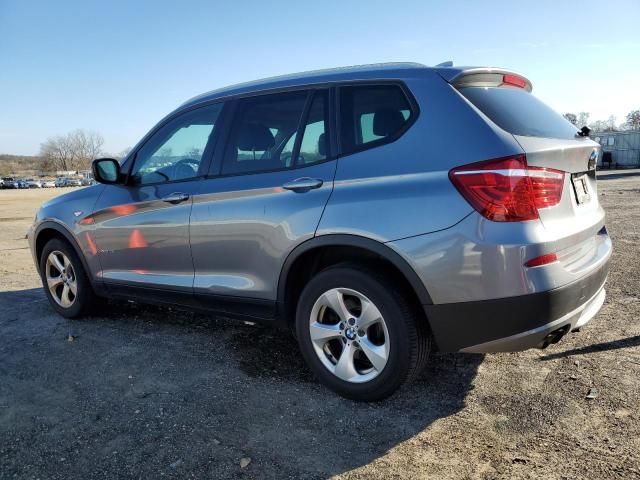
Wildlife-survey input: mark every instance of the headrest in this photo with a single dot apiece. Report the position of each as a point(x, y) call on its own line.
point(387, 121)
point(253, 136)
point(322, 145)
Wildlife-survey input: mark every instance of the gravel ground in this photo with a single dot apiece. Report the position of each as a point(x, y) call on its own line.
point(144, 392)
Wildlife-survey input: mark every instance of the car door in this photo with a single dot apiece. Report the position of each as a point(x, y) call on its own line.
point(142, 227)
point(272, 177)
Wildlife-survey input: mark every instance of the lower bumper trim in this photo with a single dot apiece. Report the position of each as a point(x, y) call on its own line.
point(461, 326)
point(538, 337)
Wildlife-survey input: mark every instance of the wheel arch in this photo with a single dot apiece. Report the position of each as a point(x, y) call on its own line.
point(48, 230)
point(312, 252)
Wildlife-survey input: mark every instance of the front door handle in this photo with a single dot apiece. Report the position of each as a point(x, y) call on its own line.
point(176, 197)
point(302, 185)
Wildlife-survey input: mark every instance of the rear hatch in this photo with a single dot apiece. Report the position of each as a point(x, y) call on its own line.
point(549, 141)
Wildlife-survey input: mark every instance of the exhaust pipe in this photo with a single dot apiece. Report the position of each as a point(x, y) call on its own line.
point(554, 337)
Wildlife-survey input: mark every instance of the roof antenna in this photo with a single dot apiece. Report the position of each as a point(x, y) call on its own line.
point(448, 63)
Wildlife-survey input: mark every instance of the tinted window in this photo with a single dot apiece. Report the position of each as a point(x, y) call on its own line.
point(315, 141)
point(176, 151)
point(371, 113)
point(264, 133)
point(517, 111)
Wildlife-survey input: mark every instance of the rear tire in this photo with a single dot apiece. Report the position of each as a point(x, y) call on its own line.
point(388, 344)
point(65, 281)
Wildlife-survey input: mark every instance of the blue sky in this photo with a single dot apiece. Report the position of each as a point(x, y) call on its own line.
point(117, 67)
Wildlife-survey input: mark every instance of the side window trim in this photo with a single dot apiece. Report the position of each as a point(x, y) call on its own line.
point(210, 148)
point(406, 92)
point(217, 157)
point(207, 154)
point(328, 127)
point(301, 127)
point(332, 114)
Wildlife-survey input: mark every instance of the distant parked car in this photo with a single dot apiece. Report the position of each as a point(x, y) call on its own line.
point(87, 181)
point(73, 182)
point(9, 182)
point(61, 182)
point(33, 183)
point(48, 184)
point(22, 183)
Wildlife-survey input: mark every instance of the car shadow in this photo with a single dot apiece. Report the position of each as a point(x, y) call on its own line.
point(232, 385)
point(597, 347)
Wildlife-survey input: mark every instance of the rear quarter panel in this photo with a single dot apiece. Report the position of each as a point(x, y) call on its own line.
point(402, 189)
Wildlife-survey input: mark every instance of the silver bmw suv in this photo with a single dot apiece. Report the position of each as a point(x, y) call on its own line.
point(378, 211)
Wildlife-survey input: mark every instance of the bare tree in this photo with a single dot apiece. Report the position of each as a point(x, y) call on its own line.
point(633, 120)
point(608, 125)
point(123, 153)
point(583, 119)
point(571, 117)
point(56, 153)
point(73, 151)
point(86, 146)
point(599, 126)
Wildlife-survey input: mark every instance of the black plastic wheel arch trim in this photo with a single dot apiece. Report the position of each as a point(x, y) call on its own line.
point(346, 240)
point(49, 225)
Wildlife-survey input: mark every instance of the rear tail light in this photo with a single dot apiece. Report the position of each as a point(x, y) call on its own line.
point(506, 189)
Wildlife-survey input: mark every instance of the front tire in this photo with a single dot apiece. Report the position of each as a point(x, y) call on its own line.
point(360, 335)
point(65, 281)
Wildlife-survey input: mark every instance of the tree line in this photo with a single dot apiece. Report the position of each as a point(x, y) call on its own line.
point(609, 125)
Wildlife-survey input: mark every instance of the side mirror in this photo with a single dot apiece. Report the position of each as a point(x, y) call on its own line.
point(106, 170)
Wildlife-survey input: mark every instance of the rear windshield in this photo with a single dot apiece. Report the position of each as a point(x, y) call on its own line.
point(520, 113)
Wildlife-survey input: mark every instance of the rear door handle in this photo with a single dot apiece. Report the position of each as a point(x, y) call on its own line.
point(302, 185)
point(177, 197)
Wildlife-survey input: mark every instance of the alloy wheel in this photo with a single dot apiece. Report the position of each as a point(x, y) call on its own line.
point(349, 335)
point(61, 279)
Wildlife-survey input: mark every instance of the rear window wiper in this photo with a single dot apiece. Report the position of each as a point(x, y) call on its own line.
point(583, 132)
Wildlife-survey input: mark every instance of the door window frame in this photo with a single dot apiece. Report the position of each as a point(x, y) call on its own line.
point(207, 153)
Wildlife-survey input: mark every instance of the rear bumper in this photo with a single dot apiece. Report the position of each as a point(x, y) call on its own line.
point(517, 323)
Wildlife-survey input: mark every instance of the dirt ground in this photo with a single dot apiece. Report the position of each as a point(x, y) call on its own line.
point(145, 392)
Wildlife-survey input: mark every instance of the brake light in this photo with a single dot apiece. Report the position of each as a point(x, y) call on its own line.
point(542, 260)
point(506, 189)
point(514, 80)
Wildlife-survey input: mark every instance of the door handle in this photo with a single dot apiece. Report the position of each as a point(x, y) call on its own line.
point(302, 185)
point(177, 197)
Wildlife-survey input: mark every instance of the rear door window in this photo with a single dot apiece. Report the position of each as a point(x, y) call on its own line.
point(264, 133)
point(520, 113)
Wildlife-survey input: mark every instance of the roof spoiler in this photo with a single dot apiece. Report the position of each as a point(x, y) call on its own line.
point(486, 77)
